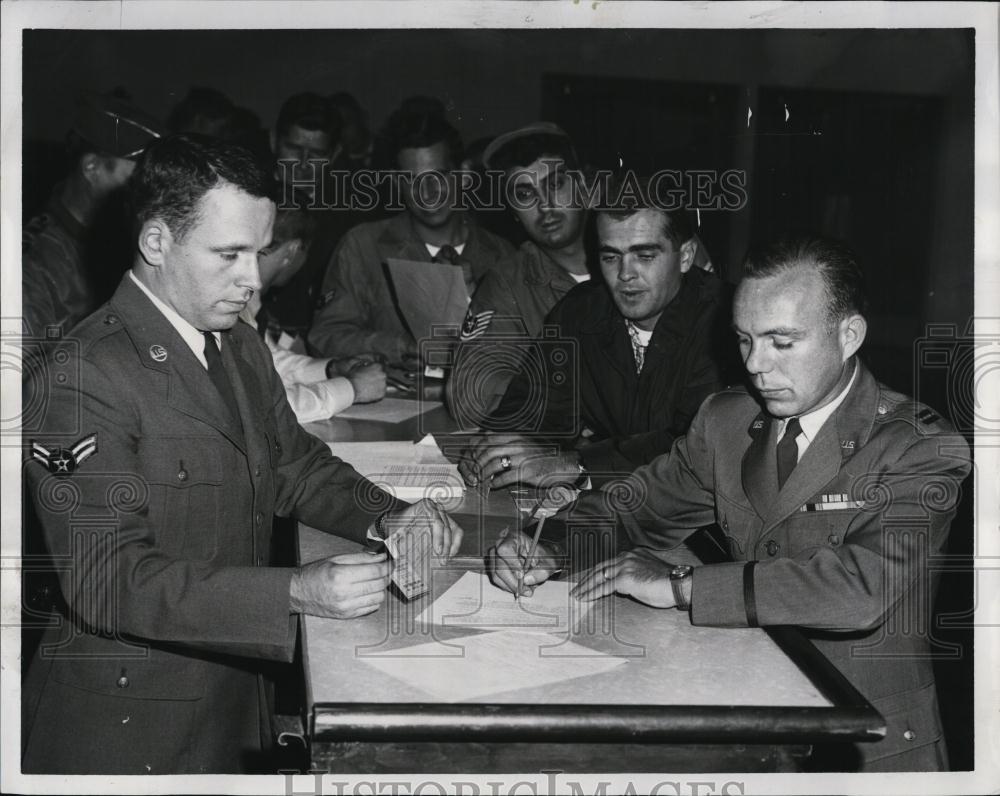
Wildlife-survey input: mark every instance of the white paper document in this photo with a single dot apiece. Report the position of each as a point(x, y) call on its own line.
point(388, 410)
point(475, 602)
point(489, 663)
point(407, 470)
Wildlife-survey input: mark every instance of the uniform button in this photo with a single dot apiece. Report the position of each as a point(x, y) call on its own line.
point(772, 548)
point(725, 525)
point(122, 682)
point(882, 409)
point(277, 448)
point(110, 319)
point(260, 518)
point(182, 475)
point(833, 539)
point(256, 471)
point(909, 735)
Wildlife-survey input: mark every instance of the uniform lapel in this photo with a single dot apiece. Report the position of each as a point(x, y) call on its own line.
point(248, 398)
point(844, 432)
point(817, 467)
point(159, 346)
point(759, 473)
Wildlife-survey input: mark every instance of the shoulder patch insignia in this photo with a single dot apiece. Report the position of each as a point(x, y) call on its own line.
point(64, 461)
point(476, 324)
point(927, 416)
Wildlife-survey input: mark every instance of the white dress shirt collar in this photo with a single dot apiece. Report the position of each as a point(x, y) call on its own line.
point(813, 421)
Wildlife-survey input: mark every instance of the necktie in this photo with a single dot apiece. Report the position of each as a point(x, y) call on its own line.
point(448, 254)
point(638, 348)
point(217, 373)
point(788, 451)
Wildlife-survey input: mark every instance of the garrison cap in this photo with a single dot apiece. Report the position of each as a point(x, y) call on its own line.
point(114, 126)
point(535, 128)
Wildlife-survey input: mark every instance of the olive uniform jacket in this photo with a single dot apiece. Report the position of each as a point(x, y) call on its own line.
point(841, 550)
point(358, 312)
point(507, 309)
point(156, 508)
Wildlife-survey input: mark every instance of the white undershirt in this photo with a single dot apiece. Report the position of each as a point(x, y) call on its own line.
point(435, 249)
point(190, 335)
point(812, 422)
point(578, 278)
point(643, 335)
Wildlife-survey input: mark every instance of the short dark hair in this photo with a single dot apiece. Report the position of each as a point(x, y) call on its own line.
point(524, 151)
point(174, 173)
point(419, 123)
point(628, 193)
point(833, 259)
point(309, 111)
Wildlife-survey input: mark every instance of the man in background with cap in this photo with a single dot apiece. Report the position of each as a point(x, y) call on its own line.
point(61, 282)
point(540, 167)
point(544, 189)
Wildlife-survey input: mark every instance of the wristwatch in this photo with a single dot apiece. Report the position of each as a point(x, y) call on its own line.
point(679, 575)
point(377, 532)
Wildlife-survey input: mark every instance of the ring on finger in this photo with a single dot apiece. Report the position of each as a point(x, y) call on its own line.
point(505, 462)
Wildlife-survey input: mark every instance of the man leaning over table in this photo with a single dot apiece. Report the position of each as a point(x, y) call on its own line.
point(156, 478)
point(636, 353)
point(833, 492)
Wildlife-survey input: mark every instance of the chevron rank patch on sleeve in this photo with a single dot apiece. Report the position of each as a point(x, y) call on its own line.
point(476, 324)
point(64, 461)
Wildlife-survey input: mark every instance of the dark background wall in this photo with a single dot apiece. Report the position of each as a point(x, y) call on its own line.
point(877, 147)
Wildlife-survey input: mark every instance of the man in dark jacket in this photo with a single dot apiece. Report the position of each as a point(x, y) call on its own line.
point(620, 367)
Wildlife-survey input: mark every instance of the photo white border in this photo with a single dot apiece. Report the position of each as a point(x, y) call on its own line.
point(181, 14)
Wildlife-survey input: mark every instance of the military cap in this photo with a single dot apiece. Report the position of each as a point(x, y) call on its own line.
point(535, 128)
point(114, 126)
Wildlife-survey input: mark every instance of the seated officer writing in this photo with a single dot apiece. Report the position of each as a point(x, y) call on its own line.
point(156, 478)
point(833, 492)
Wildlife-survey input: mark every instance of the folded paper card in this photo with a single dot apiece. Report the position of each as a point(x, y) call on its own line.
point(408, 470)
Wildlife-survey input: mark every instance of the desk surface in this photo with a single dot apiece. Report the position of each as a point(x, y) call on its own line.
point(680, 682)
point(669, 661)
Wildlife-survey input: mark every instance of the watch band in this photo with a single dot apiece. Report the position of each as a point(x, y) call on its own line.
point(679, 575)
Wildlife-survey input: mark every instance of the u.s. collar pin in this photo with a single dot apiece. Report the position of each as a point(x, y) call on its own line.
point(158, 353)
